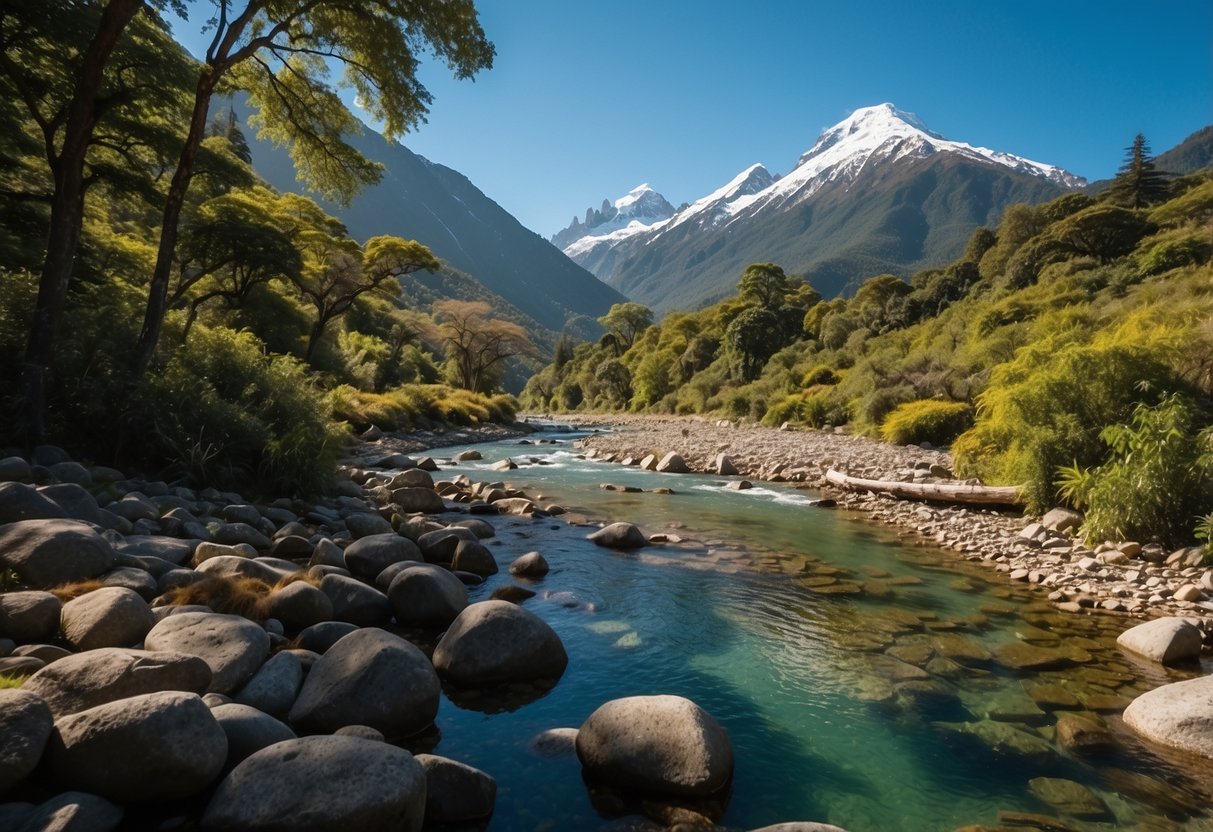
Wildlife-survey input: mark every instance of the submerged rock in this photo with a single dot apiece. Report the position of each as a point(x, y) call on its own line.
point(619, 536)
point(496, 641)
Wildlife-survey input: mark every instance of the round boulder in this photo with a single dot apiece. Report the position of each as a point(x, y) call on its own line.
point(232, 646)
point(22, 502)
point(473, 556)
point(109, 617)
point(84, 680)
point(366, 524)
point(418, 499)
point(274, 687)
point(496, 641)
point(656, 744)
point(1179, 715)
point(530, 565)
point(619, 536)
point(47, 553)
point(299, 604)
point(425, 595)
point(373, 678)
point(673, 463)
point(354, 602)
point(248, 730)
point(1164, 640)
point(319, 638)
point(454, 791)
point(159, 746)
point(317, 784)
point(25, 726)
point(369, 555)
point(29, 616)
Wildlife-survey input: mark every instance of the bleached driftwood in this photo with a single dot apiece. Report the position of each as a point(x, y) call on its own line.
point(985, 495)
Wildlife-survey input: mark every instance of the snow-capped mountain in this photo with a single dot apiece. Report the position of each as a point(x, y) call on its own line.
point(638, 209)
point(879, 191)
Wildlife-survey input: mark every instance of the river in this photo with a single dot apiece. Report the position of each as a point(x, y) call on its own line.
point(865, 681)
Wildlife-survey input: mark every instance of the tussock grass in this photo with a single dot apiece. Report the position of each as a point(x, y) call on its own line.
point(66, 592)
point(419, 406)
point(11, 682)
point(246, 597)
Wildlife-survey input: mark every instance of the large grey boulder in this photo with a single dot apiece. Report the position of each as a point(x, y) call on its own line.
point(657, 744)
point(318, 784)
point(673, 463)
point(439, 545)
point(373, 678)
point(1179, 715)
point(19, 501)
point(367, 523)
point(275, 686)
point(473, 556)
point(1164, 640)
point(108, 617)
point(418, 499)
point(66, 812)
point(232, 646)
point(85, 680)
point(25, 726)
point(425, 595)
point(496, 641)
point(370, 555)
point(454, 791)
point(14, 469)
point(158, 746)
point(319, 638)
point(29, 616)
point(298, 605)
point(530, 565)
point(248, 730)
point(354, 602)
point(76, 502)
point(619, 536)
point(47, 553)
point(232, 566)
point(723, 466)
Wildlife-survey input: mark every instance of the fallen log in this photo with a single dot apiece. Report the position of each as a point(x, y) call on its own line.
point(985, 495)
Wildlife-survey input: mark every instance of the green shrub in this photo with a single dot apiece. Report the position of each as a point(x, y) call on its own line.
point(927, 420)
point(223, 412)
point(819, 374)
point(1192, 248)
point(414, 406)
point(1158, 477)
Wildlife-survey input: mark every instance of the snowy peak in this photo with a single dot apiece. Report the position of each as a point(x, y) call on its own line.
point(639, 208)
point(883, 133)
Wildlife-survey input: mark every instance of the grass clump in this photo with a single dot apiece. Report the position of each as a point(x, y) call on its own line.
point(930, 420)
point(419, 406)
point(11, 682)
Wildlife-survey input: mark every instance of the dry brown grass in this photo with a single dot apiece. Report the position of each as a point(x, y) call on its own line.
point(245, 597)
point(296, 577)
point(66, 592)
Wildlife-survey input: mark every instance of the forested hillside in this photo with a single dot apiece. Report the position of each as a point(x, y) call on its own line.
point(1069, 351)
point(162, 306)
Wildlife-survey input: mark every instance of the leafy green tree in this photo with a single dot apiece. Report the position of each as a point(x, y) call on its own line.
point(624, 322)
point(53, 62)
point(1138, 183)
point(753, 337)
point(279, 51)
point(1104, 232)
point(764, 284)
point(614, 381)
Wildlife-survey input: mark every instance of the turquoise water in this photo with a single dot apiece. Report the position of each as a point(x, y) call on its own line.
point(775, 616)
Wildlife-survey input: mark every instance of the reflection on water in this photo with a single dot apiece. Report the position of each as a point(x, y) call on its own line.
point(864, 681)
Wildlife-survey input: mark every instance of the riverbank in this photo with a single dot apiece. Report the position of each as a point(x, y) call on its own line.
point(1127, 577)
point(410, 442)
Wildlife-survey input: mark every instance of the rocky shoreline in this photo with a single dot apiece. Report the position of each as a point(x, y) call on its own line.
point(1127, 577)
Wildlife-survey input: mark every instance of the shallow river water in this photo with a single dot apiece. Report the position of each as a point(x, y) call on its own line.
point(864, 680)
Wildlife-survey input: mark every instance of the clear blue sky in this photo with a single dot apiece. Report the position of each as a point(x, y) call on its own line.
point(587, 100)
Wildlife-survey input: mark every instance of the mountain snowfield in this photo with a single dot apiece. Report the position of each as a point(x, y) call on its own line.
point(870, 139)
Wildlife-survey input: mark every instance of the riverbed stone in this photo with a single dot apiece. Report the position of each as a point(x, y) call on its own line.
point(530, 565)
point(84, 680)
point(1179, 715)
point(371, 554)
point(473, 556)
point(1069, 798)
point(369, 677)
point(801, 826)
point(656, 744)
point(673, 463)
point(248, 730)
point(367, 523)
point(366, 785)
point(456, 792)
point(76, 502)
point(426, 595)
point(619, 536)
point(232, 646)
point(47, 553)
point(1163, 640)
point(274, 687)
point(299, 604)
point(158, 746)
point(424, 500)
point(318, 638)
point(1083, 734)
point(355, 602)
point(29, 616)
point(723, 466)
point(67, 812)
point(496, 641)
point(25, 726)
point(107, 617)
point(19, 501)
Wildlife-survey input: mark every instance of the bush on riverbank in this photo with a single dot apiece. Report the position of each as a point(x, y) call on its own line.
point(934, 421)
point(419, 406)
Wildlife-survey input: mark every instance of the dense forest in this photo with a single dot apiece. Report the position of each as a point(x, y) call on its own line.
point(1068, 351)
point(163, 307)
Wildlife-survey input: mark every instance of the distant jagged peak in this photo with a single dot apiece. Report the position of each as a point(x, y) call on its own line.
point(639, 208)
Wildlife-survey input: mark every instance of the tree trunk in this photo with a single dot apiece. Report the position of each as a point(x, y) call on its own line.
point(67, 215)
point(157, 296)
point(314, 339)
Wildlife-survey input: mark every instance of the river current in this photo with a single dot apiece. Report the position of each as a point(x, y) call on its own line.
point(865, 680)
